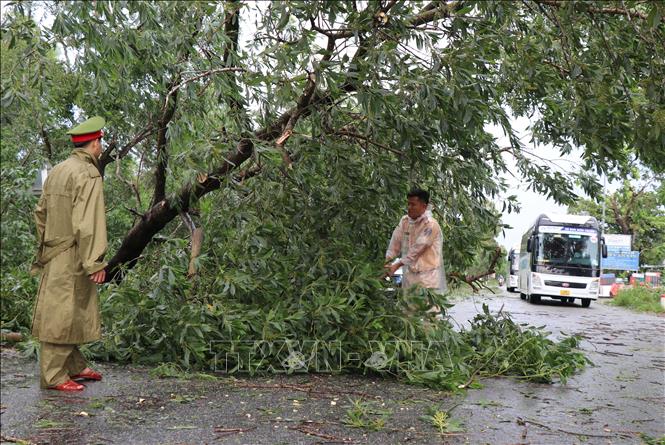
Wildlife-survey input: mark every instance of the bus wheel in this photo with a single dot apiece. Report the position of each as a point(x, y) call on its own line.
point(522, 296)
point(586, 302)
point(510, 289)
point(534, 299)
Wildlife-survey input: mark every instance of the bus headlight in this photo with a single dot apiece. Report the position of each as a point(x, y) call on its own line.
point(593, 286)
point(536, 281)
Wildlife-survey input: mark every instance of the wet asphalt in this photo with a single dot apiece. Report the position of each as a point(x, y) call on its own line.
point(619, 400)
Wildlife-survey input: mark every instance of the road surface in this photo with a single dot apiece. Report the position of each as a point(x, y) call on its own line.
point(619, 400)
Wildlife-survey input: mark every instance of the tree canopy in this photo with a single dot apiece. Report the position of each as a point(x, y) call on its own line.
point(637, 208)
point(200, 94)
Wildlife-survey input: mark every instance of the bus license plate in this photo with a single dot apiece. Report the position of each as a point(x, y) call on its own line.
point(564, 292)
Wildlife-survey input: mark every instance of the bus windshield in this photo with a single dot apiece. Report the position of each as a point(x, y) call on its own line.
point(514, 260)
point(578, 250)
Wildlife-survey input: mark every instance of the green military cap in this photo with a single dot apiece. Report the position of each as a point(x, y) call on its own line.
point(88, 130)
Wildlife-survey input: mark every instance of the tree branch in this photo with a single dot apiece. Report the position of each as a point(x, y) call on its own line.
point(353, 134)
point(47, 143)
point(255, 170)
point(140, 137)
point(471, 280)
point(134, 212)
point(618, 217)
point(302, 104)
point(611, 11)
point(133, 187)
point(388, 6)
point(210, 72)
point(490, 270)
point(164, 211)
point(331, 33)
point(232, 30)
point(197, 242)
point(562, 71)
point(162, 153)
point(435, 11)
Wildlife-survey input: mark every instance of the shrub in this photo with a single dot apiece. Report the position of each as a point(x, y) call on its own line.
point(640, 298)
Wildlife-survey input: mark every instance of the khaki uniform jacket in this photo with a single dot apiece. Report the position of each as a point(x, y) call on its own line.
point(71, 227)
point(419, 243)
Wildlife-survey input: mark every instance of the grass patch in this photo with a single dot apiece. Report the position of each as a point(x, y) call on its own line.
point(487, 403)
point(46, 423)
point(174, 371)
point(96, 404)
point(643, 299)
point(366, 415)
point(648, 440)
point(182, 398)
point(441, 421)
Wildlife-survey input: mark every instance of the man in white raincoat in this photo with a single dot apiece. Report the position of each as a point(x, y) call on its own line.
point(418, 243)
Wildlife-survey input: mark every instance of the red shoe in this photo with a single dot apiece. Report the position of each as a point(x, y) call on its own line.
point(87, 374)
point(69, 385)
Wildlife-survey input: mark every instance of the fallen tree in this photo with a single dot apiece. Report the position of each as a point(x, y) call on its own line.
point(288, 134)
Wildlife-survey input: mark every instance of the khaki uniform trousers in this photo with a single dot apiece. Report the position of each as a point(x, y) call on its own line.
point(58, 363)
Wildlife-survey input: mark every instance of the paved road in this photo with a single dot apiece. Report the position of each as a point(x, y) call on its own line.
point(610, 403)
point(621, 395)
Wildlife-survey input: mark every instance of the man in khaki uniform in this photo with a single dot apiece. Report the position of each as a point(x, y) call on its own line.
point(71, 228)
point(418, 243)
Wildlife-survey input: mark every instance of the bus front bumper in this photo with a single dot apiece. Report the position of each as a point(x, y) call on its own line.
point(512, 282)
point(566, 289)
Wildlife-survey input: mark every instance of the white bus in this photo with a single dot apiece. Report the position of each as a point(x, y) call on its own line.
point(560, 259)
point(513, 269)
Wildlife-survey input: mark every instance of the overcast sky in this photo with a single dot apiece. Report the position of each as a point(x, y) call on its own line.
point(533, 204)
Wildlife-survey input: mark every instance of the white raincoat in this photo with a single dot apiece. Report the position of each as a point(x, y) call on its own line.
point(419, 243)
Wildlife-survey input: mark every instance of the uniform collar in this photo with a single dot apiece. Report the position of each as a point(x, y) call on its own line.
point(85, 156)
point(422, 218)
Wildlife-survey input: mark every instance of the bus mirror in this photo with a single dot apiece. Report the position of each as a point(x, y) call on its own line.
point(528, 245)
point(604, 249)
